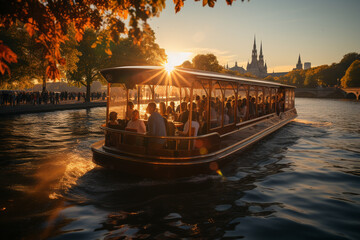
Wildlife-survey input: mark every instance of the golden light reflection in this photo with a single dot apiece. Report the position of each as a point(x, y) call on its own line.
point(219, 172)
point(60, 174)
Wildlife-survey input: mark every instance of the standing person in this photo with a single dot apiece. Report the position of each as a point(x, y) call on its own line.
point(156, 126)
point(162, 108)
point(129, 111)
point(57, 97)
point(184, 113)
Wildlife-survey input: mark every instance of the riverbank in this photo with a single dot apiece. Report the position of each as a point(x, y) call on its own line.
point(66, 105)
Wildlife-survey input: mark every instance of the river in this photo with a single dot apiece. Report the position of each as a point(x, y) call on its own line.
point(302, 182)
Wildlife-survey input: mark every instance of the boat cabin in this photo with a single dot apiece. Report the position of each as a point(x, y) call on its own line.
point(226, 111)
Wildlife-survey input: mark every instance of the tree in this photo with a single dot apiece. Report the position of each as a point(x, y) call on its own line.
point(49, 21)
point(206, 62)
point(92, 58)
point(125, 52)
point(352, 75)
point(269, 78)
point(346, 61)
point(186, 64)
point(29, 64)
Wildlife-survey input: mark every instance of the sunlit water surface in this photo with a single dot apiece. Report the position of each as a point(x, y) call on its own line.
point(302, 182)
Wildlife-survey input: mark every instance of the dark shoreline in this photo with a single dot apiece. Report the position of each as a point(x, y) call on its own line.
point(25, 108)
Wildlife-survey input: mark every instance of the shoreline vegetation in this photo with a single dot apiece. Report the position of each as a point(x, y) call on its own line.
point(344, 74)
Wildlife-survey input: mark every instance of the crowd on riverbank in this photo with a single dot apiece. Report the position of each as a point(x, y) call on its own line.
point(14, 98)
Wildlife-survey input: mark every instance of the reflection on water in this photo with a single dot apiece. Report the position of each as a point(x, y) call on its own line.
point(301, 182)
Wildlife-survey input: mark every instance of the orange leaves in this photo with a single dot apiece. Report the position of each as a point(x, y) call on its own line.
point(178, 5)
point(78, 35)
point(49, 21)
point(30, 26)
point(108, 52)
point(6, 55)
point(52, 71)
point(229, 2)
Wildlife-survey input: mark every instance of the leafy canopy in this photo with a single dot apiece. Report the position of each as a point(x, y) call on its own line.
point(49, 21)
point(352, 75)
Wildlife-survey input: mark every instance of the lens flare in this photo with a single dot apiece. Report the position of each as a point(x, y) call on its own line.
point(169, 67)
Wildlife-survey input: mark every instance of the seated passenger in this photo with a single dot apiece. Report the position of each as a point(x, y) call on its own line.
point(184, 144)
point(194, 126)
point(113, 119)
point(136, 123)
point(156, 126)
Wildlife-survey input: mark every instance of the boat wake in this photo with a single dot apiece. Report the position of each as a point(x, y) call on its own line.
point(313, 123)
point(57, 176)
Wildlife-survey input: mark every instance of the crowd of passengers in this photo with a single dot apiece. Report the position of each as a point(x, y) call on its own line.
point(160, 121)
point(12, 98)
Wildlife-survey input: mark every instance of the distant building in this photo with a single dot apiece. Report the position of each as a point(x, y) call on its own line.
point(299, 64)
point(307, 65)
point(257, 67)
point(237, 68)
point(278, 74)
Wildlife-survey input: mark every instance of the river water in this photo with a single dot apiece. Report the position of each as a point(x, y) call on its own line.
point(302, 182)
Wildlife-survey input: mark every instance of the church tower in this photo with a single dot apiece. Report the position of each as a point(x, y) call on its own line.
point(261, 57)
point(299, 64)
point(257, 66)
point(254, 53)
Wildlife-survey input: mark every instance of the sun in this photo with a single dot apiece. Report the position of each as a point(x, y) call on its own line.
point(175, 59)
point(169, 67)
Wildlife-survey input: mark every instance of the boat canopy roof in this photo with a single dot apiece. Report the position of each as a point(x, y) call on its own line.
point(179, 77)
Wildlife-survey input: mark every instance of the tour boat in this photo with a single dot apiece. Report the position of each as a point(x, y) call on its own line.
point(232, 113)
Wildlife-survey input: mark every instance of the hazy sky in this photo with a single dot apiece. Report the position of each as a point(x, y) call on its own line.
point(321, 31)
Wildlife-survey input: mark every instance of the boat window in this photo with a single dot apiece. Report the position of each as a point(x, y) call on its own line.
point(200, 99)
point(173, 101)
point(252, 102)
point(273, 100)
point(216, 105)
point(289, 99)
point(118, 100)
point(229, 103)
point(241, 105)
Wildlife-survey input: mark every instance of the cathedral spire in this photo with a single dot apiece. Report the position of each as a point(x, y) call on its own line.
point(261, 54)
point(299, 64)
point(254, 53)
point(254, 47)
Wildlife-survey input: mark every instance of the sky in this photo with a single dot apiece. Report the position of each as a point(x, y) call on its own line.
point(321, 31)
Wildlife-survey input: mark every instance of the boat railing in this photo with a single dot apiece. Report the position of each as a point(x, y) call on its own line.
point(249, 123)
point(133, 143)
point(137, 143)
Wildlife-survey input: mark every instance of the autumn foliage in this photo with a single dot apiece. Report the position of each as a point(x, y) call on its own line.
point(49, 21)
point(6, 55)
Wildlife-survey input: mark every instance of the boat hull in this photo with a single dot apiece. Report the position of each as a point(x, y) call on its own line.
point(147, 166)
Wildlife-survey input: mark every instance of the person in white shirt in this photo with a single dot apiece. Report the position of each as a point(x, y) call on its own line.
point(156, 126)
point(194, 124)
point(136, 123)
